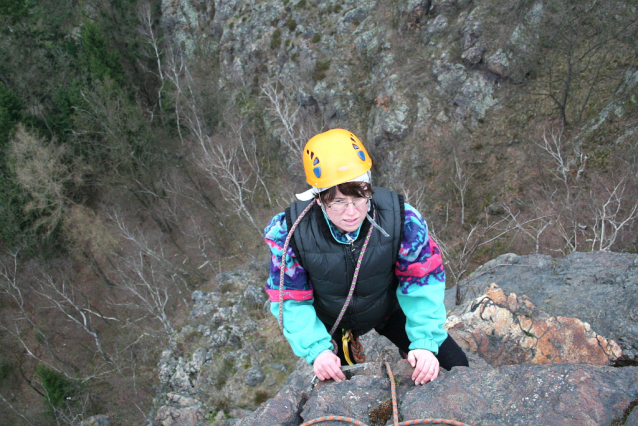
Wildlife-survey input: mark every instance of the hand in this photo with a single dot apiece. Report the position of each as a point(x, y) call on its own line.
point(426, 366)
point(327, 366)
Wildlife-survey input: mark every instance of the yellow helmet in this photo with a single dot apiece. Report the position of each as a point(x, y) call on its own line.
point(334, 157)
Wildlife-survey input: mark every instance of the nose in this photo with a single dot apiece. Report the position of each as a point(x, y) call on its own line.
point(350, 208)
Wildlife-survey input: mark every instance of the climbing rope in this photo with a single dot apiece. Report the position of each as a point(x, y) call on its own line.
point(282, 269)
point(395, 413)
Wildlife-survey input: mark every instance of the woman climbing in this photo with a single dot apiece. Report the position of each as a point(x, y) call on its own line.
point(357, 258)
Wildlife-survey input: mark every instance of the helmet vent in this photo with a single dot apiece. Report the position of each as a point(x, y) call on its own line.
point(360, 153)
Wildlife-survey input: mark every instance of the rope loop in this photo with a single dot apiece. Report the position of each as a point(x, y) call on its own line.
point(395, 412)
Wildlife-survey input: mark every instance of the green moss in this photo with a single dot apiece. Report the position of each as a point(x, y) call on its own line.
point(320, 69)
point(261, 396)
point(316, 38)
point(291, 24)
point(301, 4)
point(276, 39)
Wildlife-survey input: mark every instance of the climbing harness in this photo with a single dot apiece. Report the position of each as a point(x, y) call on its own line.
point(395, 412)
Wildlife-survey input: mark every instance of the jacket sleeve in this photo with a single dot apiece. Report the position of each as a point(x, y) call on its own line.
point(421, 289)
point(305, 333)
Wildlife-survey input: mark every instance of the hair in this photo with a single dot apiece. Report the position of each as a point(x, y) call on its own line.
point(349, 189)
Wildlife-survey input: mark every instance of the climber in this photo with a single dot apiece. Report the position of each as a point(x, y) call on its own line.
point(359, 258)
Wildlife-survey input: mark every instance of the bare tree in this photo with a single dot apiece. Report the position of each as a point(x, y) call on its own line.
point(66, 300)
point(460, 180)
point(458, 258)
point(292, 124)
point(533, 228)
point(225, 163)
point(231, 161)
point(16, 411)
point(150, 37)
point(588, 209)
point(582, 43)
point(567, 167)
point(153, 282)
point(612, 209)
point(43, 173)
point(61, 300)
point(175, 72)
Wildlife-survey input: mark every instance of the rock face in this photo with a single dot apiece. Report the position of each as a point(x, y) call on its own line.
point(556, 394)
point(527, 366)
point(347, 60)
point(229, 356)
point(599, 288)
point(507, 329)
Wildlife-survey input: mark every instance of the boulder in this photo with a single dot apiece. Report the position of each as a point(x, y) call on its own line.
point(179, 416)
point(599, 288)
point(552, 394)
point(508, 329)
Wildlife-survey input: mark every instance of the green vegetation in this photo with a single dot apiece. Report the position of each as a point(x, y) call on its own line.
point(316, 38)
point(275, 42)
point(291, 24)
point(321, 68)
point(58, 387)
point(6, 368)
point(100, 60)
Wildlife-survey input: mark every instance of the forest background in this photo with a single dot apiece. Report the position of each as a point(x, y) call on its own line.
point(144, 145)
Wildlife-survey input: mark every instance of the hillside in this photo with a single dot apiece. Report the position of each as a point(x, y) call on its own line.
point(144, 145)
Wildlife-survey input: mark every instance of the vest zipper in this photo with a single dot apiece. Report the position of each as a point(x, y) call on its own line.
point(350, 268)
point(351, 242)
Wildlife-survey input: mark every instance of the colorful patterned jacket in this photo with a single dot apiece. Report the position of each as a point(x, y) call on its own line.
point(420, 292)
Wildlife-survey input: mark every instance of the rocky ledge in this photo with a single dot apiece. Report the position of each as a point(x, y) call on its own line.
point(538, 332)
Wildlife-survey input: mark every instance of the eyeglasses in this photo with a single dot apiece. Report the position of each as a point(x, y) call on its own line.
point(341, 206)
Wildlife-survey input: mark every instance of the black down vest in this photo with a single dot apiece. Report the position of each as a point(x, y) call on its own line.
point(330, 265)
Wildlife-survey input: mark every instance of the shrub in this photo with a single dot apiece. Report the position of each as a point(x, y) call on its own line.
point(320, 69)
point(276, 39)
point(58, 387)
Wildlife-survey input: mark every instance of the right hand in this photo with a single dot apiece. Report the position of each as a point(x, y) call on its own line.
point(328, 366)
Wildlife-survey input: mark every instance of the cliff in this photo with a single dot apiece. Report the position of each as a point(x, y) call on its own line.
point(527, 365)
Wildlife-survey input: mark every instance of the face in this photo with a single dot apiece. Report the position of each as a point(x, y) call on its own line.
point(351, 218)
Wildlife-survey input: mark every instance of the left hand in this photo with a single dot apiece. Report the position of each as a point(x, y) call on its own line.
point(426, 366)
